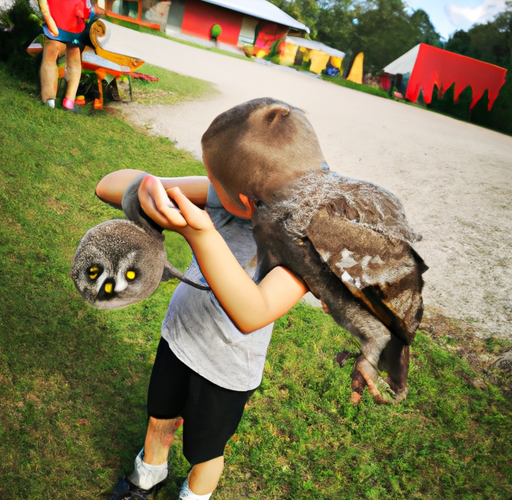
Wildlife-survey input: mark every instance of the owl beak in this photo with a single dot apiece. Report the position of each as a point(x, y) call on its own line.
point(111, 287)
point(108, 288)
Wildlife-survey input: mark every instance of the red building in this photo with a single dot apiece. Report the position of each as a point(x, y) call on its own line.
point(241, 22)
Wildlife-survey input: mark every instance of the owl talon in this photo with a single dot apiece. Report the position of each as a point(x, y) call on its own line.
point(355, 398)
point(365, 374)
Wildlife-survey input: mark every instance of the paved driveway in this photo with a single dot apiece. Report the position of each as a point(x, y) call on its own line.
point(454, 178)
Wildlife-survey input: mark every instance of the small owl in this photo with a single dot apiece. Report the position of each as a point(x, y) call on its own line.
point(350, 242)
point(120, 262)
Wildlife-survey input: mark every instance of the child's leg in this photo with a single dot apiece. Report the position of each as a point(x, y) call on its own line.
point(150, 471)
point(211, 417)
point(73, 74)
point(49, 73)
point(159, 439)
point(202, 480)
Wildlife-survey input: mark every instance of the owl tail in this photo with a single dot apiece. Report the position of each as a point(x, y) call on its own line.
point(171, 272)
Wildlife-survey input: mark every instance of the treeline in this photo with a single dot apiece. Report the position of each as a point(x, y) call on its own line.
point(384, 30)
point(490, 42)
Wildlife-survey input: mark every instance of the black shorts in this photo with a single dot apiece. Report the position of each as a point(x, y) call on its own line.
point(210, 413)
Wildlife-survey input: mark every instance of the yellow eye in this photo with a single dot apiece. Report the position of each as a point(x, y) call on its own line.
point(130, 275)
point(108, 287)
point(93, 272)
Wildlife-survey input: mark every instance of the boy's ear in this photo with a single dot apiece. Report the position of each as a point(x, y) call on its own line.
point(248, 203)
point(275, 110)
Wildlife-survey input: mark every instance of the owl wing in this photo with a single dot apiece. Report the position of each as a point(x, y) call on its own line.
point(380, 270)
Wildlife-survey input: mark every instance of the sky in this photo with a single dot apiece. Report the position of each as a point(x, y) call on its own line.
point(447, 16)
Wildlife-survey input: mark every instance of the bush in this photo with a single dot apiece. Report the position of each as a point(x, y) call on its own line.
point(499, 118)
point(19, 25)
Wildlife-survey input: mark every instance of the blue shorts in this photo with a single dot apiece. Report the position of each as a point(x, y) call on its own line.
point(211, 414)
point(79, 39)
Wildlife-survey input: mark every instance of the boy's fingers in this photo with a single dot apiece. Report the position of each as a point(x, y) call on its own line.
point(156, 204)
point(191, 213)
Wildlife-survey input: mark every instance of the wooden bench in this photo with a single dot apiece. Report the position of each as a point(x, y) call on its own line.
point(106, 61)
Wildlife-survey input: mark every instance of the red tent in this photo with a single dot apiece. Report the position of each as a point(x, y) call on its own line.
point(429, 66)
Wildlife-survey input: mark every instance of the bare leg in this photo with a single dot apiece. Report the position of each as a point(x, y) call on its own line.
point(204, 477)
point(159, 439)
point(49, 72)
point(73, 71)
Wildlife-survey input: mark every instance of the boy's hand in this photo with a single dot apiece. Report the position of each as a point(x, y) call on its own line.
point(159, 204)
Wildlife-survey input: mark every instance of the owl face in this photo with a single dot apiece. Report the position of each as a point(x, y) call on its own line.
point(117, 264)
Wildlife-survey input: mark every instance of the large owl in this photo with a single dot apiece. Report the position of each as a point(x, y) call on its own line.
point(120, 262)
point(350, 242)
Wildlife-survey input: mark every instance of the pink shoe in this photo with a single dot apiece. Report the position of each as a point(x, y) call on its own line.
point(69, 104)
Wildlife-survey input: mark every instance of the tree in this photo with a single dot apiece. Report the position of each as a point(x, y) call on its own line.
point(385, 31)
point(335, 23)
point(426, 33)
point(382, 29)
point(490, 42)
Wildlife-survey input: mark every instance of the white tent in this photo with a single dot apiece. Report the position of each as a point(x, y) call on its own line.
point(404, 63)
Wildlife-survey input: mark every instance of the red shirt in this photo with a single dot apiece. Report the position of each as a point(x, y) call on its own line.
point(70, 15)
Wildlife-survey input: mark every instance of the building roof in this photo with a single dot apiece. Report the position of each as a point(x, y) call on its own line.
point(261, 9)
point(313, 44)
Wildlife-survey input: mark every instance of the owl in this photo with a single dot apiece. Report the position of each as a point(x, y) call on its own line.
point(351, 244)
point(122, 261)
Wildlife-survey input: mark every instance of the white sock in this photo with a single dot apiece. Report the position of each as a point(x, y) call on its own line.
point(145, 476)
point(187, 494)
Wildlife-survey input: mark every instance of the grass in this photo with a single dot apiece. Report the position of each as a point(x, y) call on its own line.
point(73, 379)
point(368, 89)
point(170, 88)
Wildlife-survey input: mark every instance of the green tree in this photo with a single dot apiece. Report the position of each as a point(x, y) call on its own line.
point(383, 32)
point(490, 42)
point(335, 25)
point(425, 31)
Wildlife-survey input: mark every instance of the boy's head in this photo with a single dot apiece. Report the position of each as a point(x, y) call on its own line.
point(259, 146)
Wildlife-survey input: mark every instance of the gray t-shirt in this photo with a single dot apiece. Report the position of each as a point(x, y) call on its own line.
point(198, 330)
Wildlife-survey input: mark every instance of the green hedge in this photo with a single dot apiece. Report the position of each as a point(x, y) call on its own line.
point(499, 118)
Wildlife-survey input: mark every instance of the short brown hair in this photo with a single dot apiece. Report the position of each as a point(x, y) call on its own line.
point(258, 146)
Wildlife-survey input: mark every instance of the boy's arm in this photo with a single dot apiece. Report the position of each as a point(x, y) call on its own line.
point(249, 305)
point(112, 187)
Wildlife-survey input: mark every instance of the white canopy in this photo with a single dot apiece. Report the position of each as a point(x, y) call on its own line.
point(404, 64)
point(261, 9)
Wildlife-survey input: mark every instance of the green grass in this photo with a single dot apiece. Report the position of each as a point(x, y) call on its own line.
point(367, 89)
point(73, 379)
point(170, 88)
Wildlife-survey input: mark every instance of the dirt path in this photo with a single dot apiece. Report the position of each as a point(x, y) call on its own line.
point(454, 179)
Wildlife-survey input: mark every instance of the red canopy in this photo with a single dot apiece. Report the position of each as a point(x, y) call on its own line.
point(439, 67)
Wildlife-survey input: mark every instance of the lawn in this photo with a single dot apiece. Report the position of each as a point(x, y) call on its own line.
point(73, 379)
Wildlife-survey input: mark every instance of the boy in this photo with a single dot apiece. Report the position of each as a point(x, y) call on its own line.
point(205, 368)
point(204, 348)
